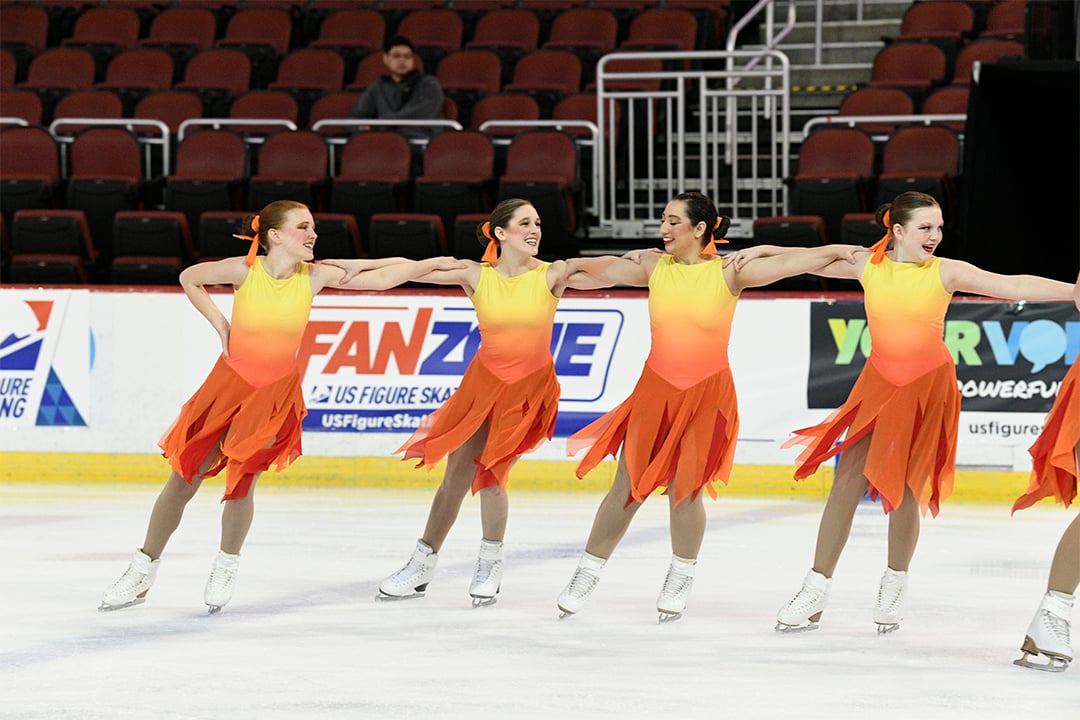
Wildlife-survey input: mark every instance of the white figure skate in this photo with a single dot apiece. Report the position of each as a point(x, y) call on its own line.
point(889, 609)
point(1048, 634)
point(676, 589)
point(412, 579)
point(804, 610)
point(131, 587)
point(222, 581)
point(581, 585)
point(487, 579)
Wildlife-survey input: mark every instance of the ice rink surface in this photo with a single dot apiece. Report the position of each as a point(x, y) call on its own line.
point(304, 637)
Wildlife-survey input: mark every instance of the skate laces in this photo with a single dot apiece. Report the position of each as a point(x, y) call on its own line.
point(222, 577)
point(484, 569)
point(676, 584)
point(127, 583)
point(1056, 625)
point(891, 593)
point(582, 583)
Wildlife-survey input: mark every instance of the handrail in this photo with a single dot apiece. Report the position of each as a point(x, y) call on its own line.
point(218, 123)
point(361, 123)
point(9, 120)
point(593, 142)
point(853, 120)
point(130, 124)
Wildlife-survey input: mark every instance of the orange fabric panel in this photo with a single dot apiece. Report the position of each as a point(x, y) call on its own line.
point(519, 415)
point(680, 439)
point(1053, 453)
point(259, 427)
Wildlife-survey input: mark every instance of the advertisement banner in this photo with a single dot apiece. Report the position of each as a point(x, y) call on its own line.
point(383, 363)
point(45, 358)
point(1010, 357)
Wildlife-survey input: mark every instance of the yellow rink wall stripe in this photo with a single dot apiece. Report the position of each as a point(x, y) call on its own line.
point(556, 475)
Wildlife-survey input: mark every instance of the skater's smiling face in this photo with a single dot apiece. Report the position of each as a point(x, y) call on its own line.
point(681, 236)
point(917, 237)
point(296, 234)
point(522, 233)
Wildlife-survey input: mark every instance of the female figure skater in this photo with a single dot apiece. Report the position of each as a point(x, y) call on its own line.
point(247, 414)
point(506, 403)
point(1055, 458)
point(677, 430)
point(902, 415)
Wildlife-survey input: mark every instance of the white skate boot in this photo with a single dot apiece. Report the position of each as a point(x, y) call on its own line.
point(581, 584)
point(804, 610)
point(1048, 634)
point(222, 581)
point(413, 578)
point(889, 609)
point(131, 587)
point(488, 576)
point(676, 589)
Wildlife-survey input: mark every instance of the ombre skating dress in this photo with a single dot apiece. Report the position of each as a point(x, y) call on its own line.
point(252, 402)
point(679, 425)
point(510, 383)
point(906, 396)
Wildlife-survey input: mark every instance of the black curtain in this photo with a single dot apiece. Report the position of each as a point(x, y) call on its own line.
point(1020, 210)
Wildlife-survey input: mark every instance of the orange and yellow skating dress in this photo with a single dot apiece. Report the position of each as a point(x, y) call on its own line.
point(680, 423)
point(1053, 454)
point(253, 402)
point(906, 397)
point(510, 383)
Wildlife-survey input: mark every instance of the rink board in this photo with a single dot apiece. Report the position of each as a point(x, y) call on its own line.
point(746, 480)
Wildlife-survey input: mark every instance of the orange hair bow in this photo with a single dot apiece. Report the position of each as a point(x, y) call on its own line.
point(253, 239)
point(878, 248)
point(491, 252)
point(710, 247)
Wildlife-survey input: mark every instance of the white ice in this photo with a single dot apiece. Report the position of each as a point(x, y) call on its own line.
point(304, 637)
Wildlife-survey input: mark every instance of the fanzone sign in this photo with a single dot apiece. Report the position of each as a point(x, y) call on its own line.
point(45, 358)
point(383, 364)
point(1009, 357)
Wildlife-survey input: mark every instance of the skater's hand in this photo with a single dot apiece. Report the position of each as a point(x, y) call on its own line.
point(223, 333)
point(636, 255)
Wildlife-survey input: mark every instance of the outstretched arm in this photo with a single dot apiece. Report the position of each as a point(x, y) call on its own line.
point(845, 261)
point(390, 276)
point(959, 276)
point(840, 268)
point(230, 271)
point(608, 270)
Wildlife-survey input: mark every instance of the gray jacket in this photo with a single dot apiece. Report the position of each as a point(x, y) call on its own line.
point(416, 97)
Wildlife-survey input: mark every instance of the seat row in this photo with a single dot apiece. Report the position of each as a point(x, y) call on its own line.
point(219, 76)
point(840, 170)
point(269, 33)
point(152, 247)
point(217, 171)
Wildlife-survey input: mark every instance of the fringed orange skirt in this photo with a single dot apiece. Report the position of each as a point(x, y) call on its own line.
point(913, 441)
point(520, 417)
point(1054, 453)
point(681, 438)
point(258, 427)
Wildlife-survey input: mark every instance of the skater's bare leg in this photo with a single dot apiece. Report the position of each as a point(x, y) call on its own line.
point(236, 519)
point(1065, 569)
point(903, 532)
point(456, 483)
point(169, 506)
point(494, 509)
point(612, 517)
point(688, 521)
point(847, 491)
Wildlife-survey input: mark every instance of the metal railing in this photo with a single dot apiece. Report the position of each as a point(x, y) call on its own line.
point(700, 131)
point(147, 142)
